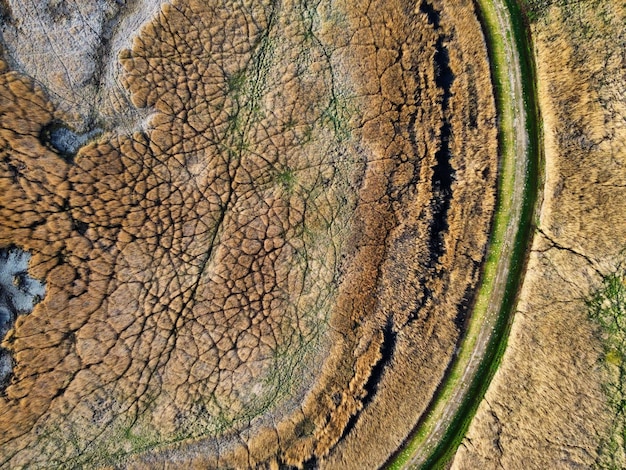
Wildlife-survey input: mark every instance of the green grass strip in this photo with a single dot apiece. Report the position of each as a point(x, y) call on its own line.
point(447, 446)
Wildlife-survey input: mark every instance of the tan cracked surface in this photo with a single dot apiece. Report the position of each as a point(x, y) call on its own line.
point(250, 279)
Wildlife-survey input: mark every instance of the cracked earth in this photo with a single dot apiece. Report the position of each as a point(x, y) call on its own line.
point(259, 226)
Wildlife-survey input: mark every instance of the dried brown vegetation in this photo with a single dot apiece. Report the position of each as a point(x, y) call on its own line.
point(278, 267)
point(546, 407)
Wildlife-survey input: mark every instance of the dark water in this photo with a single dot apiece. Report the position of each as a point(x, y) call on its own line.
point(443, 173)
point(434, 17)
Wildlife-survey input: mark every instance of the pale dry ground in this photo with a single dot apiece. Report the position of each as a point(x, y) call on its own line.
point(545, 407)
point(70, 48)
point(267, 254)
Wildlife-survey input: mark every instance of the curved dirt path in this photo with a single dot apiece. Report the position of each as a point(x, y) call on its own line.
point(514, 173)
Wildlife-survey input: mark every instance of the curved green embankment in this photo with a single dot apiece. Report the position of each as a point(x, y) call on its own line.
point(456, 430)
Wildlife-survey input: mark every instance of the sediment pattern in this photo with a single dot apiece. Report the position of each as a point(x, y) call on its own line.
point(278, 264)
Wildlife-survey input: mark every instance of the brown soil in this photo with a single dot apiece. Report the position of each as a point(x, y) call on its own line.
point(278, 267)
point(546, 407)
